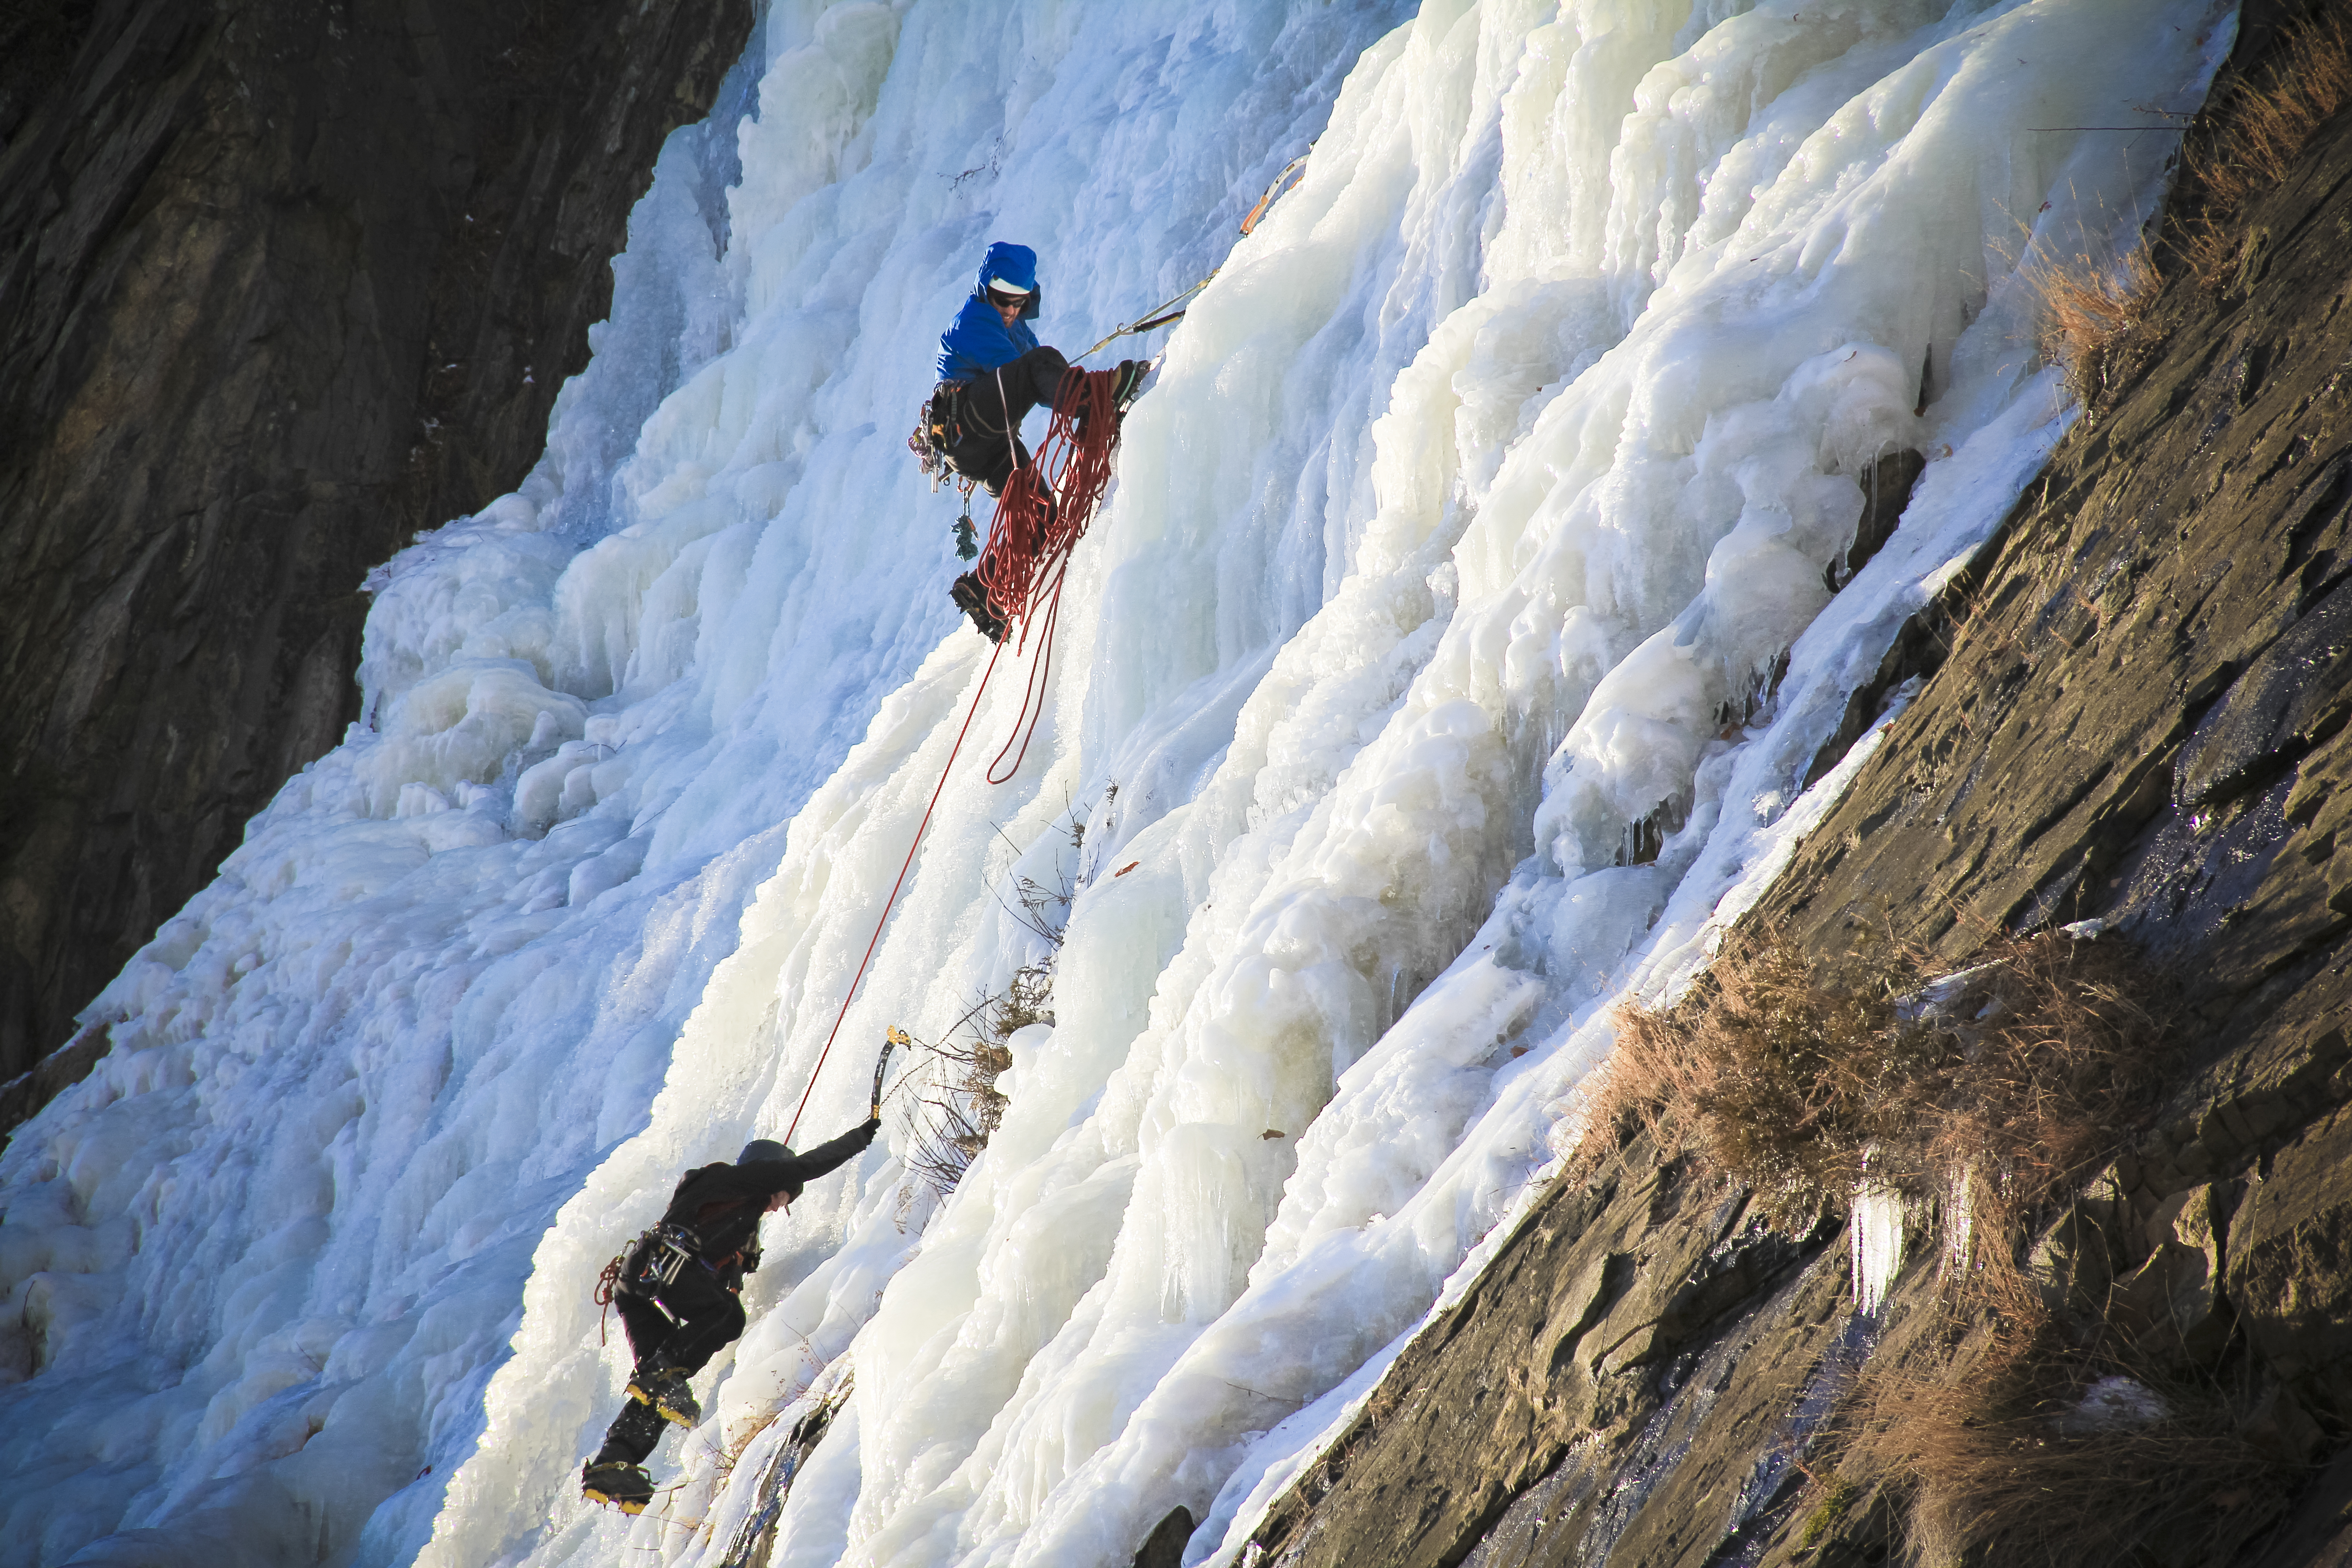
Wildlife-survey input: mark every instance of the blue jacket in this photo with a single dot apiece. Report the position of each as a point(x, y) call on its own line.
point(980, 340)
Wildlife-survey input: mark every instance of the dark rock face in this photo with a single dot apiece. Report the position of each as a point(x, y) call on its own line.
point(2136, 710)
point(281, 282)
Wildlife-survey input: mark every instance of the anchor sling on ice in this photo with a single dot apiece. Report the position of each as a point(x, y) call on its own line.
point(678, 1288)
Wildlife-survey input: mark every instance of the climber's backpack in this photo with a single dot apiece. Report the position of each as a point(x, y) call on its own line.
point(938, 427)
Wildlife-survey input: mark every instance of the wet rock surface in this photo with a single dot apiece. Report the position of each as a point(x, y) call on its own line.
point(280, 284)
point(2135, 713)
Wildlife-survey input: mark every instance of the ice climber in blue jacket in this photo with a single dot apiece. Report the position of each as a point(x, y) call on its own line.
point(992, 372)
point(993, 369)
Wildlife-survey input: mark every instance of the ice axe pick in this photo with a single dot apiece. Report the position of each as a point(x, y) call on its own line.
point(892, 1039)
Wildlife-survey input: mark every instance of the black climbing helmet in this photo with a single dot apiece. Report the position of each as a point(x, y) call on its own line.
point(763, 1149)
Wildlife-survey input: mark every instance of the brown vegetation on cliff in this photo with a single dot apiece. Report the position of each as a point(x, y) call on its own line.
point(2049, 1456)
point(2244, 145)
point(2257, 124)
point(2008, 1082)
point(2087, 305)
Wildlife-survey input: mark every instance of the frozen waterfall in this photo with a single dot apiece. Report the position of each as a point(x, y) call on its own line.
point(1448, 659)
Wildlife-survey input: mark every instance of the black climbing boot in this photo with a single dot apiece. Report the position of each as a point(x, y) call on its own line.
point(635, 1432)
point(667, 1391)
point(972, 598)
point(617, 1482)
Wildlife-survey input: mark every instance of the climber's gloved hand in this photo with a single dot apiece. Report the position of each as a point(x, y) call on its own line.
point(865, 1134)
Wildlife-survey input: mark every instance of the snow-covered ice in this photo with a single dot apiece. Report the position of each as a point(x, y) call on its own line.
point(1448, 661)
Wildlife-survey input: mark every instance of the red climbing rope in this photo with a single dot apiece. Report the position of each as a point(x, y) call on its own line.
point(970, 714)
point(1049, 500)
point(1043, 513)
point(1040, 519)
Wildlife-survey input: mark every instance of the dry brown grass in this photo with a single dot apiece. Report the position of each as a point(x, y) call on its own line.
point(1999, 1091)
point(1769, 1078)
point(2249, 139)
point(2253, 131)
point(952, 1120)
point(2087, 308)
point(2011, 1082)
point(1989, 1441)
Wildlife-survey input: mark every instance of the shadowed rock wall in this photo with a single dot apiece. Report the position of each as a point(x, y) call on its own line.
point(281, 282)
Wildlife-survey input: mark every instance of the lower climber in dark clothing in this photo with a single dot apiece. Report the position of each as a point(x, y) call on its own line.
point(678, 1294)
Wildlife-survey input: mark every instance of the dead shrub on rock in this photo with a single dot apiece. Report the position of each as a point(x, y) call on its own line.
point(2000, 1087)
point(954, 1117)
point(1767, 1078)
point(2087, 308)
point(961, 1108)
point(2034, 1450)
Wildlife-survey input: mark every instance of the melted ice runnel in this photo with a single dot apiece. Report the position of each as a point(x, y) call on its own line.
point(1448, 661)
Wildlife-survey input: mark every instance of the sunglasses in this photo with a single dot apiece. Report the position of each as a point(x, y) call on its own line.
point(1005, 302)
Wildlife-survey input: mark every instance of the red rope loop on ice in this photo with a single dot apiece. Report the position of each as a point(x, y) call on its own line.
point(1043, 514)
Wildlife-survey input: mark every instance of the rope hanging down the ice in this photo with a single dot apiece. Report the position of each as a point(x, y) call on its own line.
point(903, 867)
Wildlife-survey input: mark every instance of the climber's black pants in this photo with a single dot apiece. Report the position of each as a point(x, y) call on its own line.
point(991, 408)
point(704, 1317)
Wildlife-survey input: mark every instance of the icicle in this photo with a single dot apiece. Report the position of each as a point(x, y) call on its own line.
point(1874, 1232)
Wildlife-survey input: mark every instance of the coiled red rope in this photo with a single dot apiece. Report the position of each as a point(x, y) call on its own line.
point(1040, 519)
point(1043, 513)
point(1049, 500)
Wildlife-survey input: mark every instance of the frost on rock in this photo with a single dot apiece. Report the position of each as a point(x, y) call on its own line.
point(2110, 1405)
point(1448, 660)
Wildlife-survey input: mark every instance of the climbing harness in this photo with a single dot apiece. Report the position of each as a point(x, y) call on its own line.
point(660, 1257)
point(649, 1264)
point(936, 428)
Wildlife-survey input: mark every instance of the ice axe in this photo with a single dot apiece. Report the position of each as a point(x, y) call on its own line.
point(892, 1039)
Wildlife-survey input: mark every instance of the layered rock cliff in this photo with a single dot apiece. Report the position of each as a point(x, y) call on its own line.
point(280, 284)
point(2132, 711)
